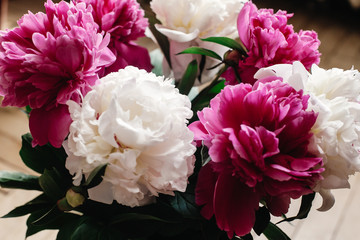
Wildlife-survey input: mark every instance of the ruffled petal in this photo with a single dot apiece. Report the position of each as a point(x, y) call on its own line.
point(49, 126)
point(234, 205)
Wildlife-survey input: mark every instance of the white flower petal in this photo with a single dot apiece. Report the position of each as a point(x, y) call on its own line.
point(102, 193)
point(328, 200)
point(334, 95)
point(192, 20)
point(177, 35)
point(137, 124)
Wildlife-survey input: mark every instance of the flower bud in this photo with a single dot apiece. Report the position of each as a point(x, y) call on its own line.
point(232, 58)
point(74, 199)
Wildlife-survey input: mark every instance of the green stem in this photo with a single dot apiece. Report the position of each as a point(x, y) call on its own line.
point(211, 85)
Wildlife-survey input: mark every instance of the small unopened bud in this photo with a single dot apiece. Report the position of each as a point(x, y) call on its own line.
point(63, 205)
point(232, 58)
point(74, 199)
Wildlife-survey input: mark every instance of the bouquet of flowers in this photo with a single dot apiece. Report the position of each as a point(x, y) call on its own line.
point(206, 137)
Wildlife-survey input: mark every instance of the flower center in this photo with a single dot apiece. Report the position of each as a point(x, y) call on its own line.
point(121, 147)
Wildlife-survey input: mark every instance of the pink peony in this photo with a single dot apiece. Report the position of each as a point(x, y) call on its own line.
point(49, 59)
point(125, 22)
point(270, 40)
point(258, 140)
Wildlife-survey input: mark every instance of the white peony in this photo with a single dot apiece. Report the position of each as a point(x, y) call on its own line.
point(185, 22)
point(334, 94)
point(137, 124)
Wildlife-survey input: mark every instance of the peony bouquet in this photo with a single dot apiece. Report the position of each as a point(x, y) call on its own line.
point(206, 137)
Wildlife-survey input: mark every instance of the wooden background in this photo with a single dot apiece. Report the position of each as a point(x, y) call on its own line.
point(339, 32)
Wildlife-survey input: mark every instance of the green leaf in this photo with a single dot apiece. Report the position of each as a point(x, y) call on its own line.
point(52, 184)
point(189, 230)
point(32, 229)
point(137, 229)
point(247, 237)
point(161, 39)
point(95, 176)
point(19, 180)
point(86, 231)
point(203, 98)
point(38, 203)
point(217, 87)
point(49, 216)
point(127, 217)
point(163, 42)
point(211, 231)
point(184, 203)
point(262, 220)
point(272, 232)
point(108, 233)
point(227, 42)
point(40, 157)
point(53, 223)
point(89, 229)
point(202, 66)
point(201, 51)
point(68, 228)
point(27, 110)
point(189, 77)
point(305, 207)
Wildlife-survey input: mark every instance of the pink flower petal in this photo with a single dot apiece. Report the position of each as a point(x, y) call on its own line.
point(258, 143)
point(130, 54)
point(270, 40)
point(49, 59)
point(235, 205)
point(278, 205)
point(205, 190)
point(49, 126)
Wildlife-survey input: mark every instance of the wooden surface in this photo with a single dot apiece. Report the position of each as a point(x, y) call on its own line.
point(14, 123)
point(3, 13)
point(340, 48)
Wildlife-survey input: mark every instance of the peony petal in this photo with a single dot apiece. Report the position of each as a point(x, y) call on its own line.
point(269, 141)
point(179, 62)
point(234, 205)
point(328, 200)
point(199, 131)
point(243, 22)
point(205, 187)
point(68, 53)
point(102, 193)
point(130, 54)
point(270, 40)
point(278, 205)
point(304, 164)
point(219, 149)
point(137, 123)
point(177, 35)
point(49, 126)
